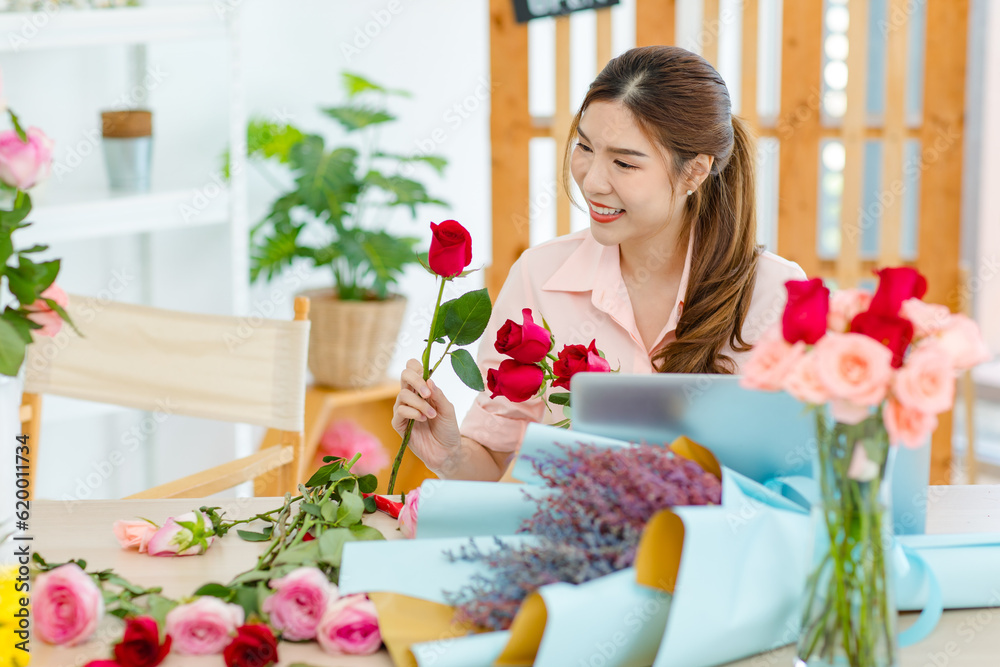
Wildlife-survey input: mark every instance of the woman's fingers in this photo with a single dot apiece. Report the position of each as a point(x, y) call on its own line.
point(408, 398)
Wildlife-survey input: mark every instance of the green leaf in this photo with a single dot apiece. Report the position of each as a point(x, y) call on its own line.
point(34, 248)
point(351, 509)
point(467, 370)
point(311, 508)
point(216, 591)
point(251, 536)
point(468, 316)
point(17, 125)
point(246, 597)
point(331, 544)
point(404, 191)
point(326, 180)
point(368, 483)
point(560, 399)
point(354, 118)
point(379, 256)
point(328, 510)
point(251, 576)
point(356, 84)
point(370, 505)
point(20, 322)
point(436, 162)
point(363, 533)
point(299, 554)
point(159, 607)
point(12, 348)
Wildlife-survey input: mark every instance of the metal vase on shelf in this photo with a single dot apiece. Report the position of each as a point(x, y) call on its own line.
point(128, 149)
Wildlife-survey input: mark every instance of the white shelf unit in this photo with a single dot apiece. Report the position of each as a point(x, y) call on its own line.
point(62, 215)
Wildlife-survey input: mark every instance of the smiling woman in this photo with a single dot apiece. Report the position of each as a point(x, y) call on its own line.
point(668, 277)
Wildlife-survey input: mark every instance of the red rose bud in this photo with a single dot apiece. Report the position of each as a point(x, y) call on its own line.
point(254, 646)
point(527, 343)
point(896, 285)
point(578, 359)
point(805, 312)
point(140, 647)
point(891, 330)
point(451, 248)
point(514, 381)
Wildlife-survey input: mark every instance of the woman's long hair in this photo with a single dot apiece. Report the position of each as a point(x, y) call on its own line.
point(681, 103)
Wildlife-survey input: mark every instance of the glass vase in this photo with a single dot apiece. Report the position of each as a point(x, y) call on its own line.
point(849, 612)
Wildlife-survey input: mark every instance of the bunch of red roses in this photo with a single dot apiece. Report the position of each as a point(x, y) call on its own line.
point(856, 351)
point(528, 373)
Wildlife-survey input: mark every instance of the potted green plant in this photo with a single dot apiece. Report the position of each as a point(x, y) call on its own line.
point(328, 220)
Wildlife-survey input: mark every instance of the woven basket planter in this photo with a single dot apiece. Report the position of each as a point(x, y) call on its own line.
point(351, 343)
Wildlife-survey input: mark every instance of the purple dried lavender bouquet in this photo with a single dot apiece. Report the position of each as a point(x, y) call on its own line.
point(588, 529)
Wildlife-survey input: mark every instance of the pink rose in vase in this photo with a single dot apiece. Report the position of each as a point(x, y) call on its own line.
point(67, 605)
point(856, 370)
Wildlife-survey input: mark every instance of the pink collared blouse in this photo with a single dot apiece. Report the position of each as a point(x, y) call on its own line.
point(576, 284)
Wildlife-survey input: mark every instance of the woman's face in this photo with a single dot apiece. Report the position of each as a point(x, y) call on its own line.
point(629, 192)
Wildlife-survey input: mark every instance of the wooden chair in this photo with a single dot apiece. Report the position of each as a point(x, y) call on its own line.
point(226, 368)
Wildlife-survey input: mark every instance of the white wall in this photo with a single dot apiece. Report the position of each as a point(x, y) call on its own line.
point(293, 54)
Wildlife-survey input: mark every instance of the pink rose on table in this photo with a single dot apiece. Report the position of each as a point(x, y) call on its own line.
point(896, 285)
point(203, 627)
point(67, 605)
point(298, 602)
point(41, 313)
point(451, 248)
point(845, 305)
point(578, 359)
point(134, 534)
point(772, 361)
point(24, 164)
point(527, 343)
point(190, 534)
point(963, 341)
point(907, 426)
point(515, 382)
point(407, 519)
point(805, 313)
point(350, 627)
point(927, 381)
point(854, 368)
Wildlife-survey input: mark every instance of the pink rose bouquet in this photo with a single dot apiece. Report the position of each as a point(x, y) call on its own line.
point(886, 365)
point(67, 605)
point(349, 627)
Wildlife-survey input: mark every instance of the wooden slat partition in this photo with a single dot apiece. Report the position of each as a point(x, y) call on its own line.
point(603, 37)
point(655, 22)
point(799, 133)
point(853, 137)
point(894, 144)
point(938, 249)
point(710, 27)
point(562, 118)
point(748, 70)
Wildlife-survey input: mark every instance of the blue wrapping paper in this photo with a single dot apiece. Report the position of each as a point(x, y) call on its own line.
point(966, 567)
point(467, 509)
point(473, 651)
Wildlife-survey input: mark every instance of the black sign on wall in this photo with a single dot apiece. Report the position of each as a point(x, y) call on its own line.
point(526, 10)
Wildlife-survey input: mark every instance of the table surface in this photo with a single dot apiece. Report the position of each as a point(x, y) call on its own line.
point(64, 530)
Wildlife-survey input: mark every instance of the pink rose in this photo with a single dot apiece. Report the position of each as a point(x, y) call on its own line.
point(350, 627)
point(771, 361)
point(963, 342)
point(408, 515)
point(345, 438)
point(853, 368)
point(298, 602)
point(40, 313)
point(907, 426)
point(136, 533)
point(67, 605)
point(862, 468)
point(190, 534)
point(803, 383)
point(23, 164)
point(926, 382)
point(844, 306)
point(203, 627)
point(927, 318)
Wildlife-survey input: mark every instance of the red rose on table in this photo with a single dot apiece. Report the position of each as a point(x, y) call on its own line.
point(805, 313)
point(140, 647)
point(254, 646)
point(896, 285)
point(526, 343)
point(451, 248)
point(514, 381)
point(891, 330)
point(578, 359)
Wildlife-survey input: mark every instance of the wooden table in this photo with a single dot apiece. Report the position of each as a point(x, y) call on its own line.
point(964, 638)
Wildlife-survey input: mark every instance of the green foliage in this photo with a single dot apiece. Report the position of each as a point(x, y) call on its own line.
point(326, 218)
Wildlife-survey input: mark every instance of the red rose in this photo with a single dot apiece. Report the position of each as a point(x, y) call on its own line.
point(805, 312)
point(895, 286)
point(254, 646)
point(527, 343)
point(140, 647)
point(578, 359)
point(893, 331)
point(514, 381)
point(451, 248)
